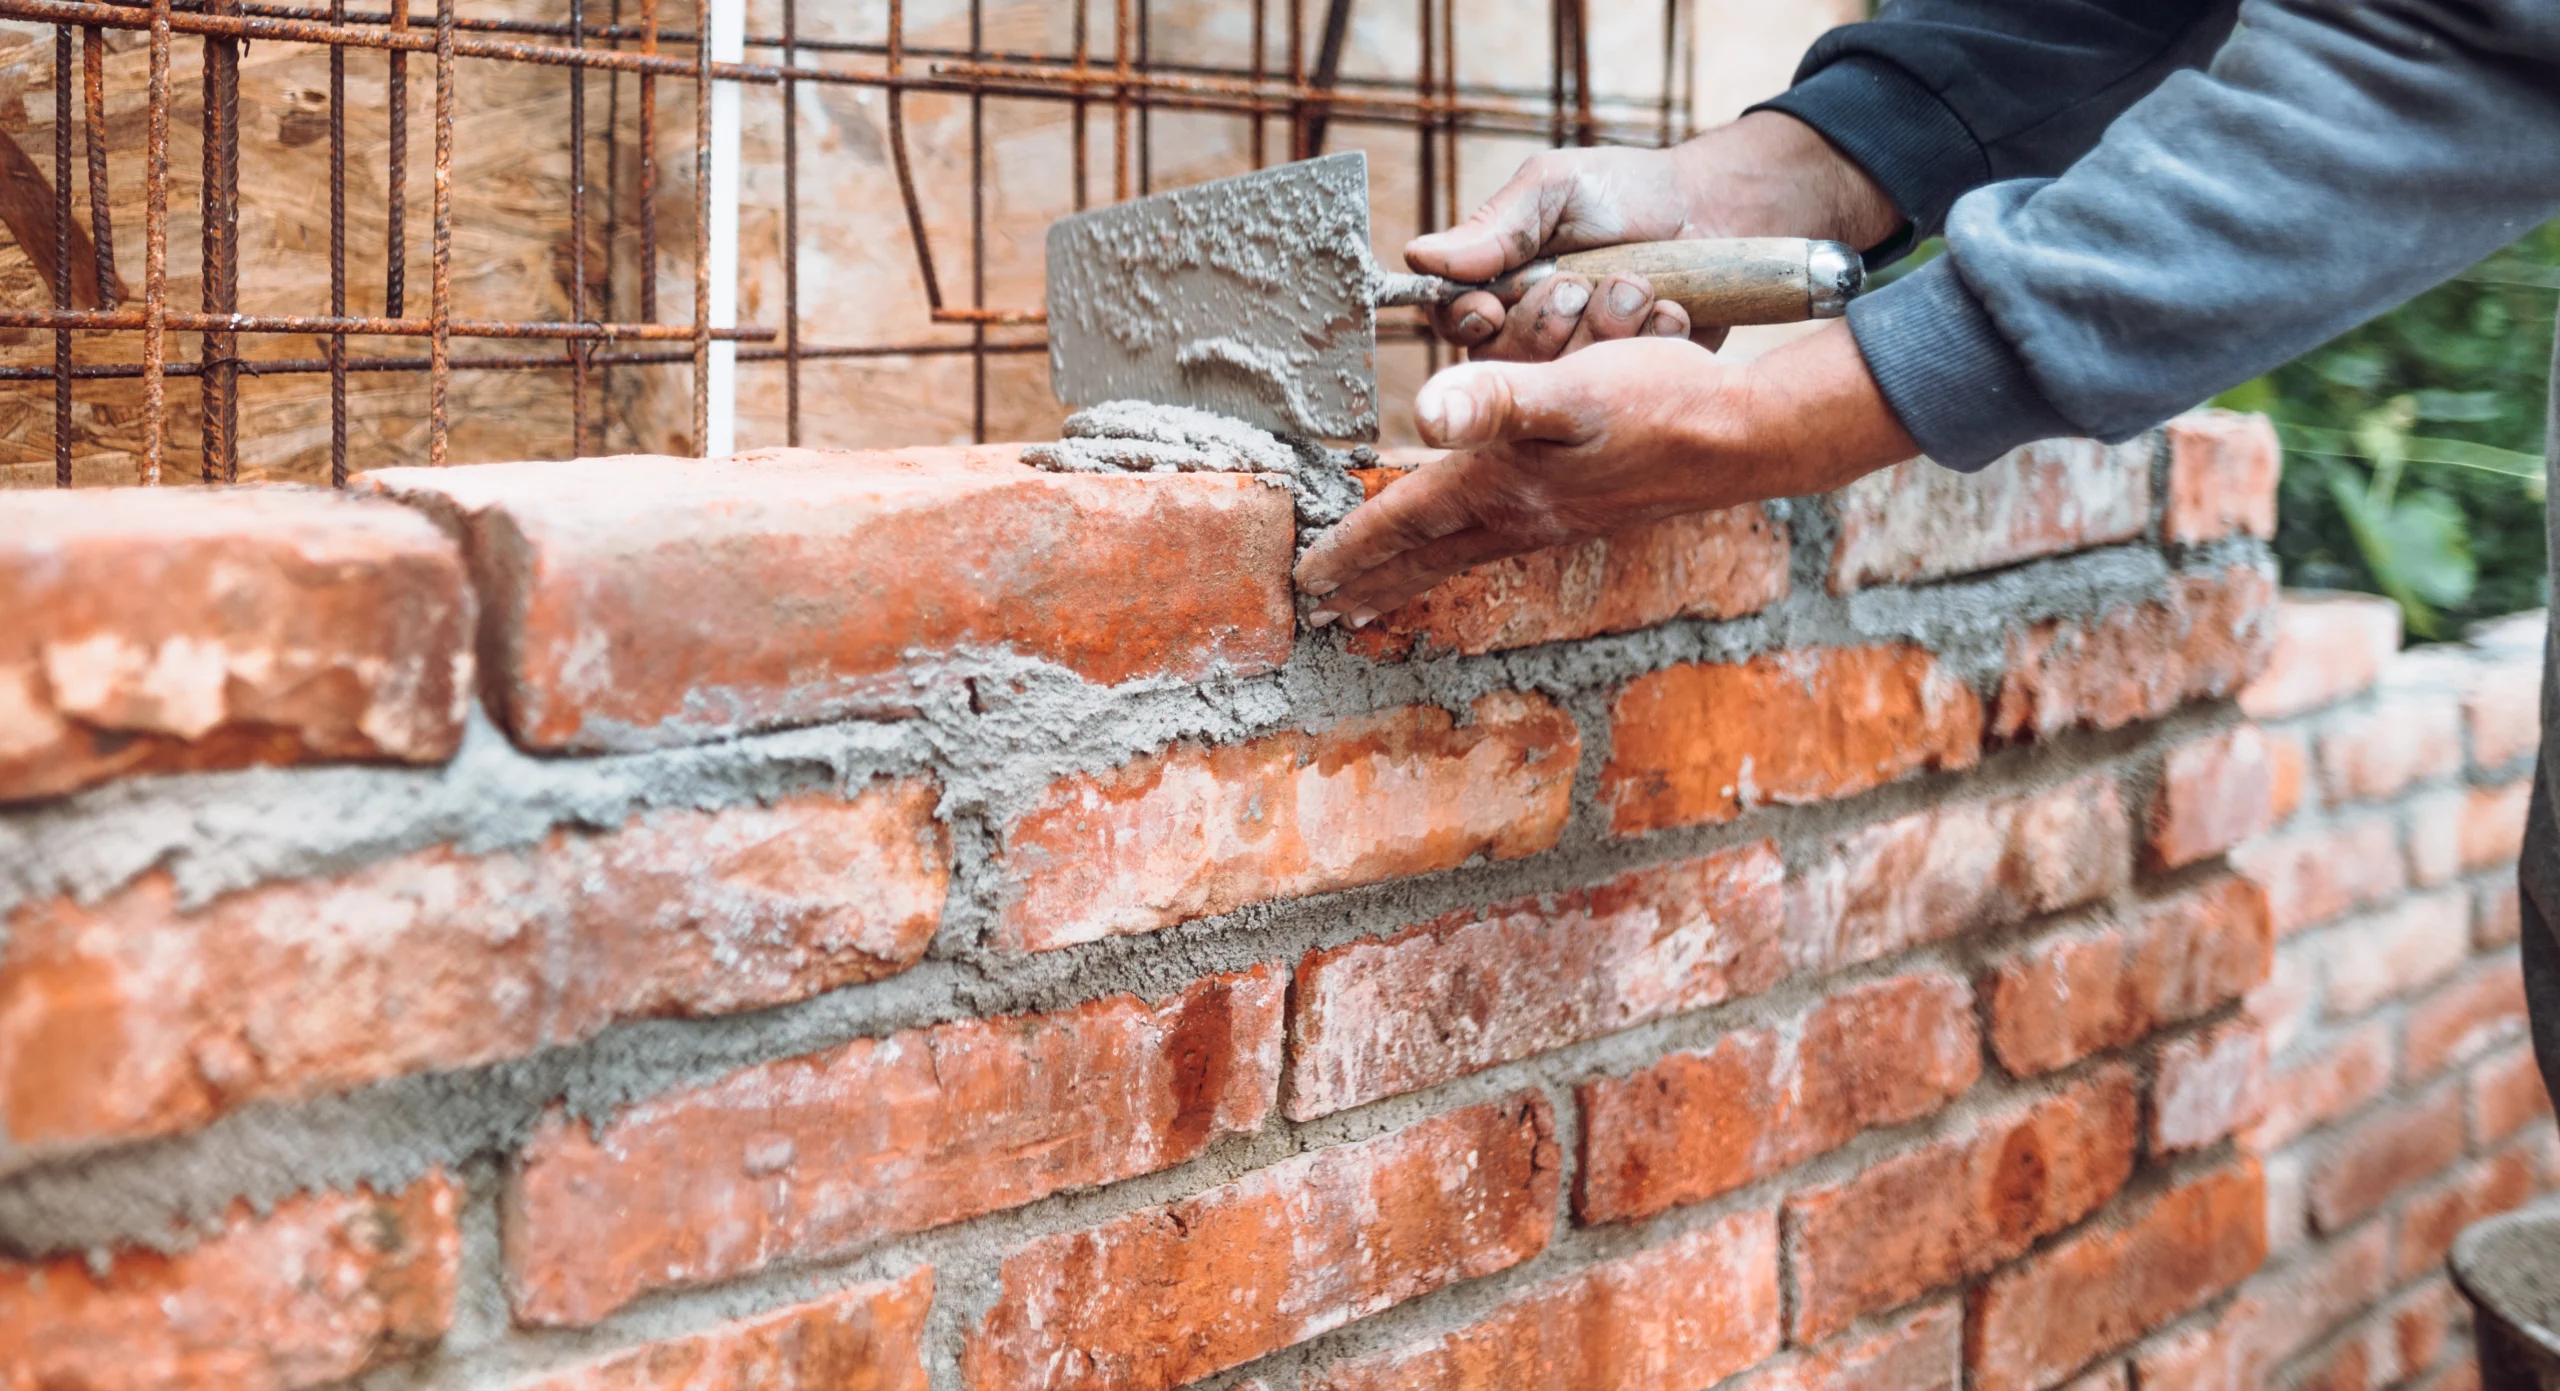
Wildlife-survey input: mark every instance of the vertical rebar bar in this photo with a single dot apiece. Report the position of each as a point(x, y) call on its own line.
point(790, 227)
point(440, 354)
point(1584, 131)
point(576, 350)
point(337, 250)
point(895, 99)
point(219, 240)
point(62, 253)
point(1670, 62)
point(1426, 165)
point(93, 134)
point(1146, 110)
point(647, 138)
point(155, 254)
point(395, 230)
point(1076, 112)
point(1261, 54)
point(702, 227)
point(978, 228)
point(1449, 117)
point(1297, 78)
point(1120, 95)
point(612, 223)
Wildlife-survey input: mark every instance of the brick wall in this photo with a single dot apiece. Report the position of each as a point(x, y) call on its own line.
point(906, 920)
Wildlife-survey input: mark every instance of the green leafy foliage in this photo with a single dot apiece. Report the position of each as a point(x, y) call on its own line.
point(2413, 446)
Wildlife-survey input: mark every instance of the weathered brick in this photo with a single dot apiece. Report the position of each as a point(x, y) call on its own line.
point(2506, 1095)
point(2315, 874)
point(2288, 1177)
point(2209, 1085)
point(1720, 564)
point(2466, 1017)
point(317, 1290)
point(2434, 823)
point(2401, 1143)
point(2433, 1216)
point(2137, 661)
point(1957, 868)
point(868, 1338)
point(1697, 1124)
point(1387, 1015)
point(2424, 1324)
point(2109, 1376)
point(1703, 743)
point(1193, 831)
point(2036, 1321)
point(2502, 712)
point(2328, 647)
point(1683, 1315)
point(2403, 948)
point(2405, 738)
point(2287, 1002)
point(2338, 1077)
point(1922, 1351)
point(1919, 521)
point(814, 1156)
point(2289, 765)
point(2497, 916)
point(2215, 792)
point(616, 587)
point(1910, 1224)
point(1162, 1297)
point(2223, 467)
point(156, 631)
point(134, 1018)
point(2345, 1365)
point(2080, 991)
point(2493, 825)
point(2463, 1375)
point(2275, 1316)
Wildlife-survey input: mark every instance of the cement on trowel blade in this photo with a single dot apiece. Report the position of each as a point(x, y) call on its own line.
point(1248, 296)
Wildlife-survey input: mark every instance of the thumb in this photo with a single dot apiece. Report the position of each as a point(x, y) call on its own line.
point(1506, 231)
point(1479, 404)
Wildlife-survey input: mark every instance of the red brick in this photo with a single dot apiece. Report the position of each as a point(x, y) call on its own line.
point(1700, 565)
point(1681, 1316)
point(157, 631)
point(869, 1338)
point(2434, 821)
point(2036, 1321)
point(2463, 1375)
point(2404, 948)
point(1165, 1296)
point(1957, 868)
point(1697, 1124)
point(2209, 1085)
point(2079, 991)
point(2288, 1201)
point(2506, 1095)
point(1194, 831)
point(135, 1018)
point(2402, 1143)
point(2287, 1002)
point(1387, 1015)
point(2434, 1216)
point(2215, 792)
point(2375, 754)
point(2276, 1315)
point(2328, 647)
point(810, 1157)
point(1693, 744)
point(1957, 1208)
point(2493, 825)
point(2498, 916)
point(2424, 1324)
point(2313, 875)
point(2137, 661)
point(2289, 762)
point(1919, 521)
point(2223, 468)
point(1923, 1351)
point(2502, 711)
point(2111, 1376)
point(617, 587)
point(2346, 1366)
point(2467, 1017)
point(2336, 1078)
point(319, 1289)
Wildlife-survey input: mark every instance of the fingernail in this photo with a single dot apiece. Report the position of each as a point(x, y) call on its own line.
point(1449, 414)
point(1627, 299)
point(1321, 618)
point(1666, 326)
point(1472, 326)
point(1362, 618)
point(1570, 297)
point(1318, 588)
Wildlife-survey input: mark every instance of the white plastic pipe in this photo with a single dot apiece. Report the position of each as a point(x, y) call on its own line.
point(728, 45)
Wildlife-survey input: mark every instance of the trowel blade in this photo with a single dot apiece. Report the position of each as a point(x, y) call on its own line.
point(1247, 296)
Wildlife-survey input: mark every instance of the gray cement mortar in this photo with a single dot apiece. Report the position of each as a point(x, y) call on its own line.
point(1143, 437)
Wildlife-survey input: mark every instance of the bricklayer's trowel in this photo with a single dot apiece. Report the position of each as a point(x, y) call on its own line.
point(1256, 296)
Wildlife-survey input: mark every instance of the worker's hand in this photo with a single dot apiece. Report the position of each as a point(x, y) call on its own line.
point(1766, 175)
point(1625, 433)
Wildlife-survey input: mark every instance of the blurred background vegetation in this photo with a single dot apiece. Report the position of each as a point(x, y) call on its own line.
point(2413, 447)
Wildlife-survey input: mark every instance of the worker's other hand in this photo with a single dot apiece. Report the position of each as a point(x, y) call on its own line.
point(1544, 454)
point(1765, 175)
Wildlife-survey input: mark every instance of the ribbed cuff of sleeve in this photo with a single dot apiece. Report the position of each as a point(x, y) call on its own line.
point(1956, 384)
point(1897, 130)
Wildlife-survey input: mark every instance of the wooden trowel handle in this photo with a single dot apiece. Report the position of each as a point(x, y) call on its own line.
point(1719, 280)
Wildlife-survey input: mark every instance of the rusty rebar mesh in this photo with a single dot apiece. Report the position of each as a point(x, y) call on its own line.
point(242, 208)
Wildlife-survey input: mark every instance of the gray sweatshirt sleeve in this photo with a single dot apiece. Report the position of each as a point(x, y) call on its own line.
point(2336, 158)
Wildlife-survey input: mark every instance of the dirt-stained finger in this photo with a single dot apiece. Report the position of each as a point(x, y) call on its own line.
point(1540, 325)
point(1469, 319)
point(1619, 309)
